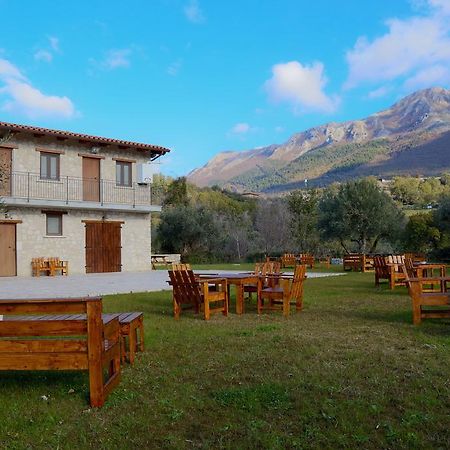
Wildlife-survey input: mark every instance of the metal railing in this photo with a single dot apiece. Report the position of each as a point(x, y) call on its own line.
point(67, 189)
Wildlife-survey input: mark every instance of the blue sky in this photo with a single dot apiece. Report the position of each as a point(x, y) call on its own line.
point(204, 76)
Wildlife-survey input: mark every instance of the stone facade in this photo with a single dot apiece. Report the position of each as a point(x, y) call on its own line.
point(31, 231)
point(33, 242)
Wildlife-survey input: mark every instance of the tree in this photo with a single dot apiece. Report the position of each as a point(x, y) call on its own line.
point(421, 234)
point(406, 190)
point(272, 224)
point(188, 230)
point(177, 193)
point(359, 213)
point(303, 206)
point(442, 222)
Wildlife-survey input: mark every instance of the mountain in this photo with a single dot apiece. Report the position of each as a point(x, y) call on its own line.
point(411, 137)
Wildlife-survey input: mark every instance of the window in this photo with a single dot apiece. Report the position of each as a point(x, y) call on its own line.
point(123, 173)
point(49, 166)
point(54, 224)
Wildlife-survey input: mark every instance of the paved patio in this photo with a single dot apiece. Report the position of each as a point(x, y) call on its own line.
point(93, 284)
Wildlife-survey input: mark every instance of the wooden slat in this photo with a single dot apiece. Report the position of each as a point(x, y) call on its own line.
point(41, 307)
point(43, 345)
point(42, 328)
point(434, 300)
point(43, 361)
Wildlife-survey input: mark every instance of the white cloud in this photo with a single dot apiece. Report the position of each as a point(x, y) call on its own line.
point(54, 43)
point(429, 76)
point(408, 47)
point(22, 97)
point(279, 129)
point(43, 55)
point(117, 59)
point(443, 6)
point(300, 85)
point(175, 67)
point(193, 12)
point(241, 128)
point(8, 70)
point(380, 92)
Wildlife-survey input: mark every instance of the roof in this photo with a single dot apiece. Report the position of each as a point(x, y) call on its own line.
point(85, 137)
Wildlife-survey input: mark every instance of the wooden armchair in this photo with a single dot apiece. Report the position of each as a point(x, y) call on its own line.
point(307, 260)
point(197, 294)
point(57, 265)
point(389, 268)
point(39, 265)
point(269, 272)
point(181, 266)
point(428, 305)
point(288, 260)
point(280, 297)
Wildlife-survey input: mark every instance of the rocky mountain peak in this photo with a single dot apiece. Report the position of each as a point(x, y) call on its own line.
point(427, 110)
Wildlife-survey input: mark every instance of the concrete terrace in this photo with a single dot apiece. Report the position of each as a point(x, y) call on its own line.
point(94, 284)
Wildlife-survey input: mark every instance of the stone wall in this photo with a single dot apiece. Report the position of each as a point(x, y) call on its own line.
point(27, 159)
point(32, 240)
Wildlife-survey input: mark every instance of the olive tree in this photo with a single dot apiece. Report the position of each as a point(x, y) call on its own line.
point(359, 215)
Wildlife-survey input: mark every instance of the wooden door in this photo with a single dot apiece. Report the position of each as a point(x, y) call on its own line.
point(5, 171)
point(8, 250)
point(103, 247)
point(91, 179)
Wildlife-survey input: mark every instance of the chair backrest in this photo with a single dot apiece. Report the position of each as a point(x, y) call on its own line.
point(185, 287)
point(297, 283)
point(396, 259)
point(181, 266)
point(409, 267)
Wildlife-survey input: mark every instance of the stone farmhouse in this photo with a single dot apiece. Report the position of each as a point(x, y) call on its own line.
point(84, 199)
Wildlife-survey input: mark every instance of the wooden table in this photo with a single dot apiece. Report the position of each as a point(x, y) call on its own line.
point(239, 280)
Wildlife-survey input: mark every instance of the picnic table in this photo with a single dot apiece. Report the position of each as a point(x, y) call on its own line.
point(237, 279)
point(164, 259)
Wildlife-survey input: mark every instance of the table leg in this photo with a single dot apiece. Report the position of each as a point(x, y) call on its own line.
point(239, 298)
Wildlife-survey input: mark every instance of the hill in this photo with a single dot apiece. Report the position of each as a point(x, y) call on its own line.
point(412, 137)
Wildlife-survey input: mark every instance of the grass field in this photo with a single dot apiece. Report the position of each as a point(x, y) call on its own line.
point(349, 371)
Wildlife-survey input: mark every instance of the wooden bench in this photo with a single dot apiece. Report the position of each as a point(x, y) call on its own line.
point(358, 262)
point(62, 334)
point(429, 305)
point(131, 332)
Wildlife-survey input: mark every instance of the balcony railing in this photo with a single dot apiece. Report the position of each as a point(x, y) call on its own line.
point(31, 186)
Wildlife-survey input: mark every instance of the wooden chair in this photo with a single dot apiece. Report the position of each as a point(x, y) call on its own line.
point(56, 265)
point(353, 262)
point(269, 272)
point(62, 334)
point(307, 260)
point(389, 268)
point(288, 260)
point(428, 305)
point(197, 294)
point(39, 265)
point(181, 266)
point(281, 297)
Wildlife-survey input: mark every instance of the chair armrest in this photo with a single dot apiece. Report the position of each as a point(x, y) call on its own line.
point(212, 280)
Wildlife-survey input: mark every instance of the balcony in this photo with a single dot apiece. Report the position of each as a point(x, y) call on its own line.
point(29, 189)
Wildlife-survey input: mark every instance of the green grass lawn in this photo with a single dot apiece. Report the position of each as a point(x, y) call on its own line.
point(349, 371)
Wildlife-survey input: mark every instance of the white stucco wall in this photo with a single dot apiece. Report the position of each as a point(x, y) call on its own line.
point(32, 240)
